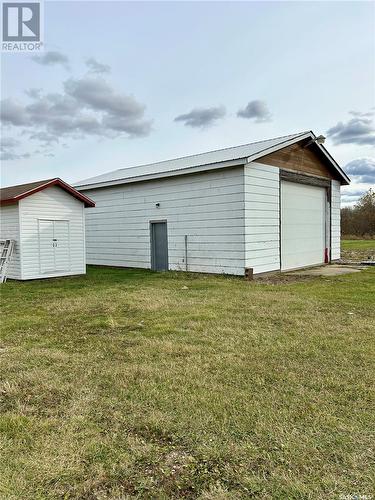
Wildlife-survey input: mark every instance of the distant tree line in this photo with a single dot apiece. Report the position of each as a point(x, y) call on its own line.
point(359, 220)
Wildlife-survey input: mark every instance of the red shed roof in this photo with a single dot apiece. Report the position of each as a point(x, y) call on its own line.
point(12, 194)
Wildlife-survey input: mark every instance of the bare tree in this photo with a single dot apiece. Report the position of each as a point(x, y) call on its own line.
point(360, 219)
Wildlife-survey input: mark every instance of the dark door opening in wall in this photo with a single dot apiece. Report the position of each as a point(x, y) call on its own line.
point(159, 246)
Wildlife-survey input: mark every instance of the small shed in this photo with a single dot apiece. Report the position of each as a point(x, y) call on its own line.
point(46, 219)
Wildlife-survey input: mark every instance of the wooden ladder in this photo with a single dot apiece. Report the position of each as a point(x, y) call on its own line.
point(6, 251)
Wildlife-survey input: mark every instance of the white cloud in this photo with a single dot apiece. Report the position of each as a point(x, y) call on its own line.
point(88, 106)
point(358, 130)
point(201, 117)
point(52, 58)
point(97, 67)
point(255, 110)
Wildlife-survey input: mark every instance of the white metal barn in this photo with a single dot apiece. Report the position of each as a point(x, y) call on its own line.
point(270, 205)
point(47, 221)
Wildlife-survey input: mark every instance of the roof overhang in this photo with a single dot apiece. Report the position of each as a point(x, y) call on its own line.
point(171, 173)
point(52, 182)
point(344, 179)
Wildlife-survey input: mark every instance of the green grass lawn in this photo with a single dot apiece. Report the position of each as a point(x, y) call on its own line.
point(358, 244)
point(357, 250)
point(131, 384)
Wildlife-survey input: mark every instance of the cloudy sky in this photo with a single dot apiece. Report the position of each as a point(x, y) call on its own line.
point(121, 84)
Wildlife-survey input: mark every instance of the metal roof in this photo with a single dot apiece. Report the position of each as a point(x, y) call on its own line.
point(203, 161)
point(12, 194)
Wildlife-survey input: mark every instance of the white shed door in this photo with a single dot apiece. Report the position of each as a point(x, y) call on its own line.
point(62, 251)
point(46, 247)
point(302, 225)
point(54, 251)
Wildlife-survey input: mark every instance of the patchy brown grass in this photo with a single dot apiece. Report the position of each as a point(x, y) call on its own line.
point(358, 250)
point(281, 279)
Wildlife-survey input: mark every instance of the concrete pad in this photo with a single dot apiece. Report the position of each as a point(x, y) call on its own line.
point(334, 270)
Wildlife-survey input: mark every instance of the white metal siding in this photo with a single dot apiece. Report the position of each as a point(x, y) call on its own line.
point(262, 217)
point(10, 229)
point(335, 220)
point(52, 203)
point(207, 207)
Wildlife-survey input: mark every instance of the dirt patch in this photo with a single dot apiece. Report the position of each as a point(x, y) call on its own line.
point(281, 279)
point(355, 255)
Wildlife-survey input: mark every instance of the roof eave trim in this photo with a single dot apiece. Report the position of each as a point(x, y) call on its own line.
point(29, 192)
point(8, 202)
point(343, 175)
point(53, 182)
point(74, 192)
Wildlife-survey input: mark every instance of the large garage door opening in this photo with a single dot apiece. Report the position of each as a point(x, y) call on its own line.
point(303, 210)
